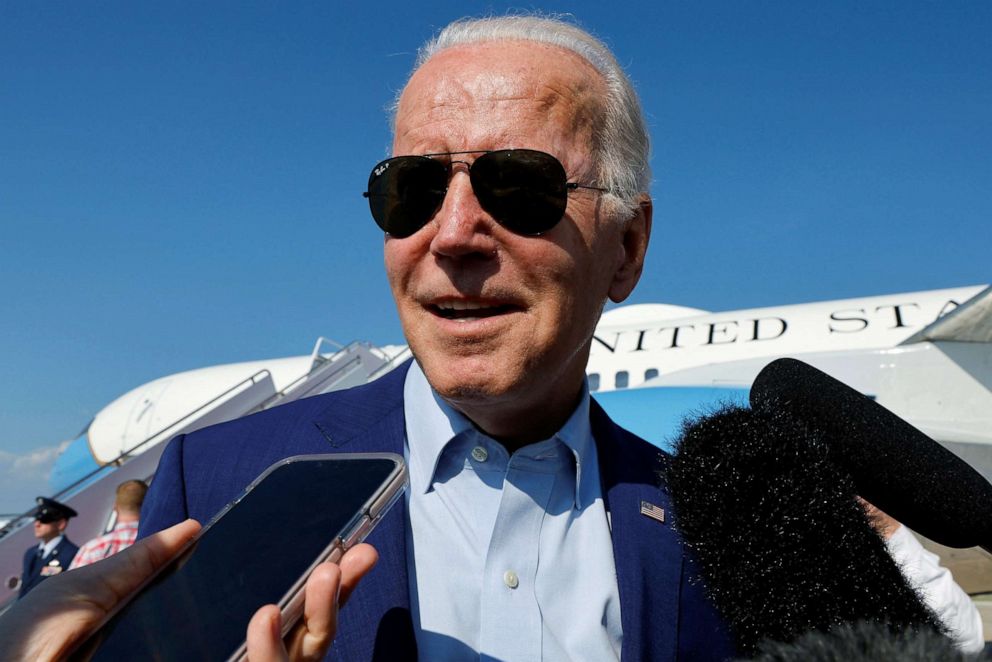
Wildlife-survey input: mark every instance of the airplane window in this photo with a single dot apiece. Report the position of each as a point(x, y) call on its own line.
point(650, 373)
point(621, 379)
point(594, 381)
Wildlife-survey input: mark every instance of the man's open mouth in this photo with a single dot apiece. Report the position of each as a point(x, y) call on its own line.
point(469, 310)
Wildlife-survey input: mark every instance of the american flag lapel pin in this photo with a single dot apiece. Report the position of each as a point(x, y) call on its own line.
point(653, 511)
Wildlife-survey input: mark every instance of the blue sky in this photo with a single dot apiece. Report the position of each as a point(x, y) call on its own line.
point(180, 182)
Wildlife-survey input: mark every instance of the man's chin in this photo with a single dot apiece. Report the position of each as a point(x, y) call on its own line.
point(469, 381)
point(467, 391)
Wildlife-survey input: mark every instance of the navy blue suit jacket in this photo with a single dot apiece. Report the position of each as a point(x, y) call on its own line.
point(663, 612)
point(61, 556)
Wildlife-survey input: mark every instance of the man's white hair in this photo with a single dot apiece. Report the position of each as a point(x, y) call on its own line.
point(621, 148)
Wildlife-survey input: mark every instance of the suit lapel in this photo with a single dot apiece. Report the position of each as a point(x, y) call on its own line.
point(35, 562)
point(358, 425)
point(646, 551)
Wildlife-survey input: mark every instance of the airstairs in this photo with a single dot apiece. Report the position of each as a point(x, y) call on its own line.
point(332, 366)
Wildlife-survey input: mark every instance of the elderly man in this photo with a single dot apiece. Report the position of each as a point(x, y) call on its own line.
point(514, 206)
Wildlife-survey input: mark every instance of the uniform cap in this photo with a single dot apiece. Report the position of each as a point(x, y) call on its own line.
point(50, 510)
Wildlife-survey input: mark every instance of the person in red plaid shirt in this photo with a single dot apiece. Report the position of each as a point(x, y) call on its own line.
point(127, 505)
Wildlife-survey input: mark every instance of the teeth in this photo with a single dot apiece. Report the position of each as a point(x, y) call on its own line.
point(461, 305)
point(469, 310)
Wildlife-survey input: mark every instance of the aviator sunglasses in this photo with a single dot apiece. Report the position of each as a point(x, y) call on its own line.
point(526, 191)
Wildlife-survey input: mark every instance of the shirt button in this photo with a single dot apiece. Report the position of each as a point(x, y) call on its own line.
point(480, 454)
point(510, 579)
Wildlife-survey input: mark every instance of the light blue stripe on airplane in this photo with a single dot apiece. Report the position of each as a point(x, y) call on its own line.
point(72, 464)
point(656, 413)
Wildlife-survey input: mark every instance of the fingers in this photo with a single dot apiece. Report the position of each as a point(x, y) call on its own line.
point(265, 636)
point(163, 545)
point(118, 576)
point(327, 587)
point(312, 637)
point(355, 564)
point(65, 609)
point(884, 524)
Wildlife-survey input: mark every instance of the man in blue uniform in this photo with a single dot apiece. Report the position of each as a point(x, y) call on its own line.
point(54, 551)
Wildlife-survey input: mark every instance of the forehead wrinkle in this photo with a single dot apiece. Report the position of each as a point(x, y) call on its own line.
point(442, 101)
point(579, 117)
point(569, 96)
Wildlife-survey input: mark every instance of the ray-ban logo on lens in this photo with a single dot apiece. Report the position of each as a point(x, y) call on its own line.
point(381, 169)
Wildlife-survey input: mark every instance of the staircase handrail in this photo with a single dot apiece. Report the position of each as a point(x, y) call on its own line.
point(119, 460)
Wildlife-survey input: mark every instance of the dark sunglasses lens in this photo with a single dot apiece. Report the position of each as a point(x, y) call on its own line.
point(523, 189)
point(405, 191)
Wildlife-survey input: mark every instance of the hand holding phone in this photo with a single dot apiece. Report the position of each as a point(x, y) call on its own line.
point(313, 634)
point(260, 549)
point(65, 610)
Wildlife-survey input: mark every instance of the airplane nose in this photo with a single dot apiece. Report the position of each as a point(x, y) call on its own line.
point(75, 462)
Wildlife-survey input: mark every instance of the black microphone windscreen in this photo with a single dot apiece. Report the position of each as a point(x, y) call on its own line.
point(781, 540)
point(864, 642)
point(894, 466)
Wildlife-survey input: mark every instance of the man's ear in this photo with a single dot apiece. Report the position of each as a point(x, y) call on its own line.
point(634, 243)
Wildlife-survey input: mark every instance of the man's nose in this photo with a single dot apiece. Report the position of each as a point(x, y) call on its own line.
point(463, 226)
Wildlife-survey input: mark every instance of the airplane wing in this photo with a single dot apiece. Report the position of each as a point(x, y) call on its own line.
point(969, 322)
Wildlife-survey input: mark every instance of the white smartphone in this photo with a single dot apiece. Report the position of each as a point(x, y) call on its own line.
point(260, 549)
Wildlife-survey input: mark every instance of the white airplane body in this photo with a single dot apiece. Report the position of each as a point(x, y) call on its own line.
point(924, 355)
point(670, 339)
point(142, 412)
point(927, 356)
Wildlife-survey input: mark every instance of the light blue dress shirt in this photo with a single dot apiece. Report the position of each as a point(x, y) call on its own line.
point(509, 556)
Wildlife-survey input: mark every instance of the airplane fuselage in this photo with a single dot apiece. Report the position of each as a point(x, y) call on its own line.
point(633, 344)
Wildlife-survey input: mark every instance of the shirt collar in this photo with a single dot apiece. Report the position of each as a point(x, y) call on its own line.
point(47, 547)
point(576, 435)
point(431, 424)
